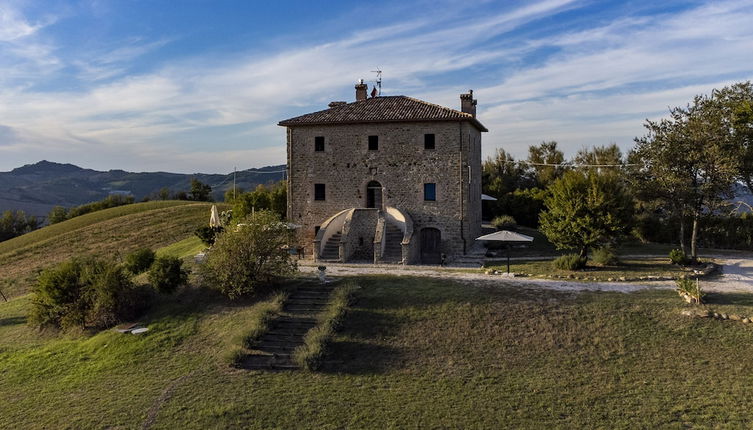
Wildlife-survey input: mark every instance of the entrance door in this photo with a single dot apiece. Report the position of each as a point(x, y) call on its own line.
point(374, 195)
point(431, 242)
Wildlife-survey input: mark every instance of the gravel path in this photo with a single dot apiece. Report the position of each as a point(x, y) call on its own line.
point(737, 275)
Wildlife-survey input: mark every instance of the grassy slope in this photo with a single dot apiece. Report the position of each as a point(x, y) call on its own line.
point(110, 232)
point(413, 353)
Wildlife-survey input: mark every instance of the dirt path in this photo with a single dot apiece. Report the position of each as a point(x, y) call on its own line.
point(737, 275)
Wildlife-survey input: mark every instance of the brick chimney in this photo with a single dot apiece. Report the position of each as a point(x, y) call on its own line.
point(361, 90)
point(467, 103)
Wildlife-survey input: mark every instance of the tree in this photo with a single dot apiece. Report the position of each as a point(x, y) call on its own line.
point(278, 199)
point(609, 157)
point(166, 274)
point(200, 191)
point(585, 210)
point(501, 174)
point(689, 162)
point(736, 103)
point(16, 223)
point(250, 255)
point(546, 153)
point(57, 214)
point(164, 193)
point(231, 194)
point(251, 201)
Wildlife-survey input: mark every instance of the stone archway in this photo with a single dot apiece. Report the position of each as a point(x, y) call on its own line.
point(431, 246)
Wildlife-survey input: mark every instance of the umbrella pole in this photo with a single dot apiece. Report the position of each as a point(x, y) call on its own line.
point(508, 258)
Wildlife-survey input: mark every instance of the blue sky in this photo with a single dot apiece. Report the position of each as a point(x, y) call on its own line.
point(199, 86)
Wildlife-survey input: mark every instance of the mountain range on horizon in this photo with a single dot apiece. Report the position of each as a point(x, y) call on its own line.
point(37, 188)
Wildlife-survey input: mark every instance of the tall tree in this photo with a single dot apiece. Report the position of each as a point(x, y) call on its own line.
point(546, 161)
point(501, 174)
point(736, 105)
point(585, 210)
point(608, 158)
point(690, 161)
point(200, 191)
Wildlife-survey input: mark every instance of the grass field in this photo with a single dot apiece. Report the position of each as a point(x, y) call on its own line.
point(109, 233)
point(413, 353)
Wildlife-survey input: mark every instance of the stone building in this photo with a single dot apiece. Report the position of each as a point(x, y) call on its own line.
point(386, 179)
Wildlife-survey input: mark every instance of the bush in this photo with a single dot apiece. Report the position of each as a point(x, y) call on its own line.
point(84, 293)
point(676, 256)
point(167, 274)
point(605, 256)
point(504, 222)
point(690, 290)
point(570, 262)
point(208, 234)
point(254, 253)
point(139, 260)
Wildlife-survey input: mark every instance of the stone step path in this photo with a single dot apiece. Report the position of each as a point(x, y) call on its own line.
point(274, 351)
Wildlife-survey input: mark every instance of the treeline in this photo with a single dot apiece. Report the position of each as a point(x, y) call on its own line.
point(16, 223)
point(680, 178)
point(60, 214)
point(271, 197)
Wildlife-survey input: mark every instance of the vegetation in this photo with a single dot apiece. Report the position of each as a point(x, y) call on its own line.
point(258, 324)
point(207, 234)
point(678, 257)
point(311, 354)
point(60, 214)
point(690, 290)
point(108, 232)
point(16, 223)
point(262, 198)
point(254, 253)
point(690, 161)
point(83, 293)
point(605, 256)
point(586, 210)
point(569, 262)
point(504, 222)
point(629, 268)
point(200, 192)
point(166, 274)
point(139, 260)
point(411, 353)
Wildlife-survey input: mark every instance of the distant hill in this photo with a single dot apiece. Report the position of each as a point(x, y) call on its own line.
point(37, 188)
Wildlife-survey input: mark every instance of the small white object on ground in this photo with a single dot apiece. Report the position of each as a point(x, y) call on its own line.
point(139, 330)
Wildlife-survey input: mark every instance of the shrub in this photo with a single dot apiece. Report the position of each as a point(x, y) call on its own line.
point(167, 274)
point(690, 290)
point(251, 254)
point(504, 222)
point(139, 260)
point(234, 357)
point(605, 256)
point(84, 293)
point(676, 256)
point(570, 262)
point(208, 235)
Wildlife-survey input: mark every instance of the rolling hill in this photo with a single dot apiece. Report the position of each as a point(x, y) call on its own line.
point(110, 232)
point(37, 188)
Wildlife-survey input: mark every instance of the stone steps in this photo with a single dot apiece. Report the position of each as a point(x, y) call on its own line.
point(331, 249)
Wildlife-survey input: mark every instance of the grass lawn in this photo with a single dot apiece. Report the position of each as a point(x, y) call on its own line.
point(413, 353)
point(629, 269)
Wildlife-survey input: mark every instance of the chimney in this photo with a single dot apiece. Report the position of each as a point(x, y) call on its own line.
point(361, 90)
point(467, 103)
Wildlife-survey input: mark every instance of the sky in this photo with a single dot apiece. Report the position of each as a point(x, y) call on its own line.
point(199, 86)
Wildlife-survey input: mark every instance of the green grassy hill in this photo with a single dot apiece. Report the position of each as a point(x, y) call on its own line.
point(111, 232)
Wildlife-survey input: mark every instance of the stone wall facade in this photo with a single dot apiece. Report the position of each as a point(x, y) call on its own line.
point(401, 165)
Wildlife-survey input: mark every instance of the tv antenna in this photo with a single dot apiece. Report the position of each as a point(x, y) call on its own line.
point(378, 80)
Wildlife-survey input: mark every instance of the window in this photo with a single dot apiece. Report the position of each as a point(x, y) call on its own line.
point(319, 192)
point(429, 141)
point(430, 192)
point(319, 143)
point(373, 143)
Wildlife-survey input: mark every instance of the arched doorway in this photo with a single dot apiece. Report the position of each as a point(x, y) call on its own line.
point(374, 195)
point(431, 246)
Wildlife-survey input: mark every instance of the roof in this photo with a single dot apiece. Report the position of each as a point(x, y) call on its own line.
point(382, 109)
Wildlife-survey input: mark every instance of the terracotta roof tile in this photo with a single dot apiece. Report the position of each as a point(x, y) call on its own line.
point(382, 109)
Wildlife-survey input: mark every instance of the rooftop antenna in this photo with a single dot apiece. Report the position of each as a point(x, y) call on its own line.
point(378, 80)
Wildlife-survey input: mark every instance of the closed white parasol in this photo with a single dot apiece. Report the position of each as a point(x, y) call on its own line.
point(214, 218)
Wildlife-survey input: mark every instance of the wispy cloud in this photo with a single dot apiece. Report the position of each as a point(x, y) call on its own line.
point(590, 85)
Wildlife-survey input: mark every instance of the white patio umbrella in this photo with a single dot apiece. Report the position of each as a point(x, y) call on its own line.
point(214, 218)
point(506, 236)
